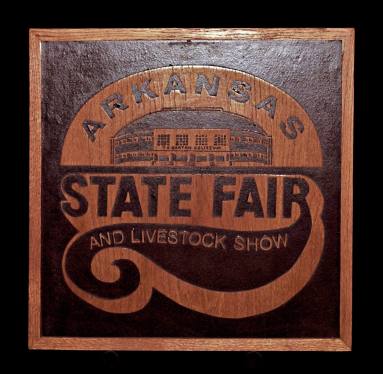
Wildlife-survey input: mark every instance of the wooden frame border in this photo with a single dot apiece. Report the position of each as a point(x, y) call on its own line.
point(36, 341)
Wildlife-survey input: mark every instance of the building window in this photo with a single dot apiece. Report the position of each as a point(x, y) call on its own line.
point(182, 139)
point(201, 140)
point(219, 140)
point(163, 140)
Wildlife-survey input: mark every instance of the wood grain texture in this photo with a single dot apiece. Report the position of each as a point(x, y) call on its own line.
point(234, 304)
point(200, 33)
point(192, 344)
point(36, 341)
point(304, 151)
point(347, 189)
point(34, 190)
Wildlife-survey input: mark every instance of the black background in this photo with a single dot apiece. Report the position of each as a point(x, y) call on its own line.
point(14, 202)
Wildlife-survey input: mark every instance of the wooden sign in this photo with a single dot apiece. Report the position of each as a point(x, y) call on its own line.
point(191, 189)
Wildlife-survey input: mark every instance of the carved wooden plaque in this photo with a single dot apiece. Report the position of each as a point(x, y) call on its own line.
point(191, 189)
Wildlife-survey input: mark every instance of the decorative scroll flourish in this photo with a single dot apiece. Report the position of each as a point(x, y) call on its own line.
point(128, 274)
point(254, 240)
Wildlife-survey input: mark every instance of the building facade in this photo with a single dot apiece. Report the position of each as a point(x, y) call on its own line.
point(192, 147)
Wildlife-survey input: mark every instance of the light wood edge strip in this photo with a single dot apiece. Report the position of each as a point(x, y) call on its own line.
point(192, 344)
point(347, 190)
point(35, 341)
point(34, 187)
point(178, 33)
